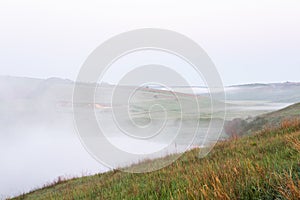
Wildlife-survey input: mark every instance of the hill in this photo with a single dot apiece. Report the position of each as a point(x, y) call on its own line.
point(261, 166)
point(240, 126)
point(272, 92)
point(290, 111)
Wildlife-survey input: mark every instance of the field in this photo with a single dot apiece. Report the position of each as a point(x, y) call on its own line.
point(265, 165)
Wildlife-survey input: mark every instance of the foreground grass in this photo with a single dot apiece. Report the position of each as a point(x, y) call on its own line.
point(263, 166)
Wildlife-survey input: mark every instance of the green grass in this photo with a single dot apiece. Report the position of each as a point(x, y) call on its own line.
point(262, 166)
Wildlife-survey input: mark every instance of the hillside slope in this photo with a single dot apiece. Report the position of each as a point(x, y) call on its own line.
point(247, 126)
point(291, 111)
point(261, 166)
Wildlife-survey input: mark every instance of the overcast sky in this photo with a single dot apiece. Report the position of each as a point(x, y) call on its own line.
point(249, 41)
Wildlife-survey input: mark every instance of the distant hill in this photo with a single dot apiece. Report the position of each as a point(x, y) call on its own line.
point(25, 95)
point(274, 92)
point(13, 88)
point(21, 87)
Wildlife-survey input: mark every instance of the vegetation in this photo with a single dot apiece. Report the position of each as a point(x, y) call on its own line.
point(238, 127)
point(261, 166)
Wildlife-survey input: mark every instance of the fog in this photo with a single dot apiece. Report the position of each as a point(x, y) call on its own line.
point(33, 153)
point(36, 148)
point(40, 141)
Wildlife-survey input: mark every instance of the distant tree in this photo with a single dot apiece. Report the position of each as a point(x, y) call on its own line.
point(236, 127)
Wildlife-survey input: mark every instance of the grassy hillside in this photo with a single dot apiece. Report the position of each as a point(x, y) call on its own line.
point(273, 119)
point(291, 111)
point(262, 166)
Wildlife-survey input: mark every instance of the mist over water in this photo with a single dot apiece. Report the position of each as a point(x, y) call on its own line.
point(38, 141)
point(36, 148)
point(33, 154)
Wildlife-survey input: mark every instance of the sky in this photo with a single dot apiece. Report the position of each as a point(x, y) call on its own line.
point(249, 41)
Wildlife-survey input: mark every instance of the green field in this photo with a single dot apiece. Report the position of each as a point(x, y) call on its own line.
point(261, 166)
